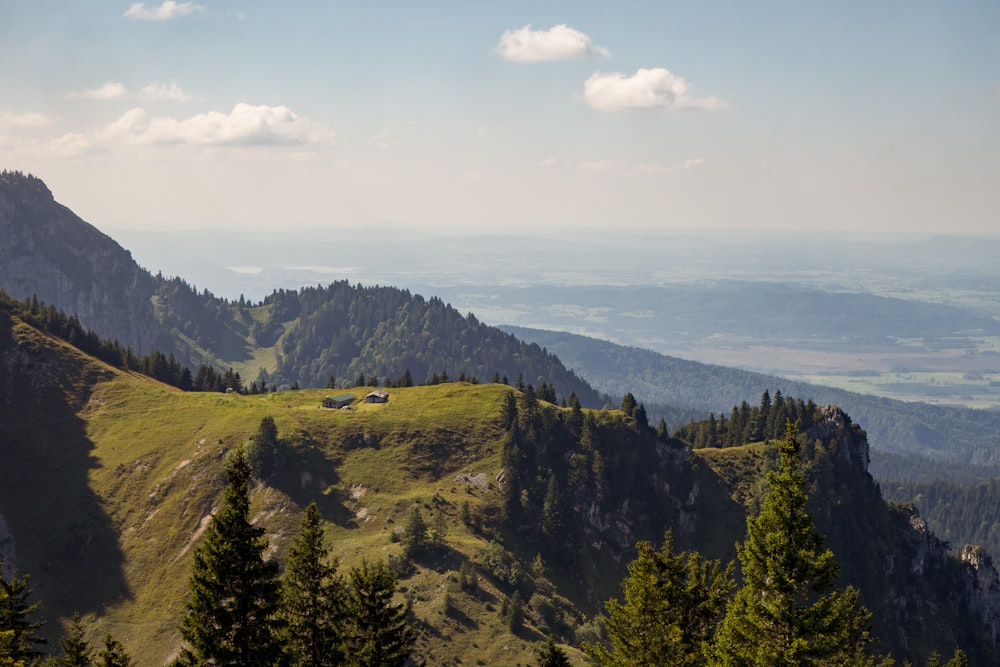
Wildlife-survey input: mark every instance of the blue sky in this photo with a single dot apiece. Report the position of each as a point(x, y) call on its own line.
point(486, 116)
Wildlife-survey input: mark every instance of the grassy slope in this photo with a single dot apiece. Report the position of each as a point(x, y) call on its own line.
point(154, 460)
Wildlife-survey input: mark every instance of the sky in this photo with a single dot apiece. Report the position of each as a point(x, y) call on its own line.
point(489, 116)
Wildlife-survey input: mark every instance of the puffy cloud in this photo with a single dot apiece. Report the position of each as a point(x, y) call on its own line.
point(660, 169)
point(165, 12)
point(112, 90)
point(693, 163)
point(23, 120)
point(655, 88)
point(162, 92)
point(559, 42)
point(246, 125)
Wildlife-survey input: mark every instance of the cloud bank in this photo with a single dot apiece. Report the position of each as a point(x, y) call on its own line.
point(559, 42)
point(165, 12)
point(655, 88)
point(162, 92)
point(246, 125)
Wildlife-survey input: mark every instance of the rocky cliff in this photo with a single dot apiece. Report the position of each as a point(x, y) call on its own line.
point(47, 251)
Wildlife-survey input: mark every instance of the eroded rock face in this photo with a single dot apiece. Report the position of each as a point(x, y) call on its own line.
point(851, 440)
point(49, 252)
point(983, 589)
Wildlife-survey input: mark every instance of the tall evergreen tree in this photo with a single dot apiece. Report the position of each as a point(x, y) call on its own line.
point(673, 603)
point(76, 649)
point(313, 598)
point(19, 638)
point(378, 632)
point(113, 654)
point(550, 655)
point(232, 612)
point(788, 611)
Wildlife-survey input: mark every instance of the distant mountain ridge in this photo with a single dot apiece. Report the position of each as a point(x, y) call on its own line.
point(291, 338)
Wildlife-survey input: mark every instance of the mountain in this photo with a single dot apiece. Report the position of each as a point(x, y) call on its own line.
point(48, 252)
point(290, 338)
point(929, 435)
point(110, 478)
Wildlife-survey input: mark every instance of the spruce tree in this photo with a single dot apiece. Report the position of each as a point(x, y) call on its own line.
point(76, 649)
point(673, 603)
point(231, 614)
point(788, 611)
point(378, 632)
point(313, 598)
point(19, 639)
point(550, 655)
point(113, 654)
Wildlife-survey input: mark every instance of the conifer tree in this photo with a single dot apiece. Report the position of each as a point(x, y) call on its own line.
point(76, 649)
point(313, 598)
point(378, 633)
point(788, 611)
point(550, 655)
point(673, 603)
point(231, 614)
point(19, 638)
point(113, 654)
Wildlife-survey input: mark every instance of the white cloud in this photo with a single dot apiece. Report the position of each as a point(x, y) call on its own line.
point(559, 42)
point(246, 125)
point(23, 120)
point(693, 163)
point(168, 10)
point(655, 88)
point(163, 92)
point(112, 90)
point(598, 165)
point(384, 140)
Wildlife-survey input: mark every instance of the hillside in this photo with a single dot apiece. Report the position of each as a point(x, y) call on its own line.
point(111, 478)
point(928, 434)
point(291, 338)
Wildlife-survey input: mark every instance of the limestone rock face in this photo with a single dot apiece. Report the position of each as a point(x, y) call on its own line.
point(49, 252)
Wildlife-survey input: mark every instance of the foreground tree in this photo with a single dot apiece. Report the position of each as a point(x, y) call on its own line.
point(788, 611)
point(76, 648)
point(313, 598)
point(19, 639)
point(550, 655)
point(232, 612)
point(113, 654)
point(673, 603)
point(378, 632)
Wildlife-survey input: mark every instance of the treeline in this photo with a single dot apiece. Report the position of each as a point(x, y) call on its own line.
point(750, 423)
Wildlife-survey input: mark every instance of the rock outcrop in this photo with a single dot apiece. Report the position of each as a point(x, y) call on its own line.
point(48, 252)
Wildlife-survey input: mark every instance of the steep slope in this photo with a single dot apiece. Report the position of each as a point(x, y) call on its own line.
point(113, 478)
point(49, 252)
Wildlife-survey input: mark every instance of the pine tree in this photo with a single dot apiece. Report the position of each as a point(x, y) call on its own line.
point(113, 654)
point(550, 655)
point(76, 649)
point(673, 603)
point(19, 639)
point(415, 538)
point(378, 633)
point(231, 614)
point(788, 611)
point(313, 598)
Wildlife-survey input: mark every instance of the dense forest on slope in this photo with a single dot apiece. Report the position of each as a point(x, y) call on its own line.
point(958, 514)
point(967, 438)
